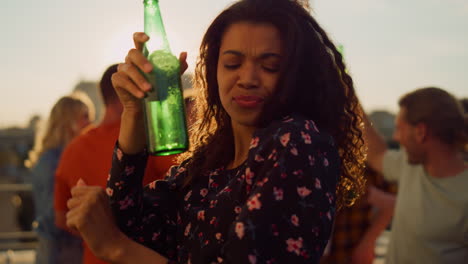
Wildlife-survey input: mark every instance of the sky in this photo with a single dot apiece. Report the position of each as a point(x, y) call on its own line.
point(391, 46)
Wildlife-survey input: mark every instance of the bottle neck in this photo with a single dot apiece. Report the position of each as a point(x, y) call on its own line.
point(154, 27)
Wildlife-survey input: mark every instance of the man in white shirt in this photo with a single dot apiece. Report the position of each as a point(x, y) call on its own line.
point(430, 223)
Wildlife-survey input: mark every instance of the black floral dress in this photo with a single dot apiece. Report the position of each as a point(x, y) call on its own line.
point(277, 207)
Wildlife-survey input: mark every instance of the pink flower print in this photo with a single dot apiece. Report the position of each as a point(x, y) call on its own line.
point(303, 191)
point(294, 151)
point(213, 203)
point(203, 192)
point(109, 192)
point(240, 230)
point(284, 175)
point(294, 245)
point(237, 209)
point(295, 220)
point(155, 236)
point(329, 215)
point(226, 189)
point(180, 170)
point(187, 196)
point(287, 119)
point(129, 170)
point(213, 220)
point(258, 158)
point(278, 192)
point(330, 197)
point(252, 259)
point(201, 215)
point(187, 229)
point(248, 176)
point(108, 177)
point(126, 203)
point(318, 185)
point(218, 236)
point(254, 203)
point(119, 154)
point(311, 160)
point(262, 182)
point(306, 138)
point(152, 185)
point(284, 139)
point(325, 162)
point(272, 155)
point(254, 142)
point(298, 172)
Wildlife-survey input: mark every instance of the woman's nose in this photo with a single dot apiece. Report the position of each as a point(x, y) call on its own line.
point(249, 76)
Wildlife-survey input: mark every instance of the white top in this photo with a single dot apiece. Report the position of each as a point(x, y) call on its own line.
point(430, 223)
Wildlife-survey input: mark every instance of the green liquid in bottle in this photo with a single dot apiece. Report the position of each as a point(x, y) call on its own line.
point(164, 106)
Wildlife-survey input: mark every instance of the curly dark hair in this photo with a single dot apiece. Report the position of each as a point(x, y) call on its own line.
point(314, 84)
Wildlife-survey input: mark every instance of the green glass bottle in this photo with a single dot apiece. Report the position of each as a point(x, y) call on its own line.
point(163, 107)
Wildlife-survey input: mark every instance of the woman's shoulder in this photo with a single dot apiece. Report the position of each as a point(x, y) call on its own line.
point(50, 155)
point(294, 127)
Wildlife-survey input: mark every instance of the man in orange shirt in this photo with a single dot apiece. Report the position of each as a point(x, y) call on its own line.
point(89, 156)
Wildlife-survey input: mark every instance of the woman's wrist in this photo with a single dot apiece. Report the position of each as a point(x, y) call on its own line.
point(132, 137)
point(116, 251)
point(123, 250)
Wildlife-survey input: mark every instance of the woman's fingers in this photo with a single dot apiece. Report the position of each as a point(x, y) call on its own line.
point(121, 81)
point(73, 202)
point(135, 57)
point(135, 76)
point(183, 62)
point(139, 39)
point(72, 219)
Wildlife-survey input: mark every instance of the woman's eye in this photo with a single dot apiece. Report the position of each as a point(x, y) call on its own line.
point(231, 66)
point(270, 69)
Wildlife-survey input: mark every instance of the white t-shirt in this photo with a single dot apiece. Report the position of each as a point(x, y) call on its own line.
point(430, 224)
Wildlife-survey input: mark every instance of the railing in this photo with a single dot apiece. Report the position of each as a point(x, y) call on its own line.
point(13, 187)
point(17, 240)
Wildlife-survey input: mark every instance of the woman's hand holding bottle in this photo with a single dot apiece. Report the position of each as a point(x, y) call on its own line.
point(131, 86)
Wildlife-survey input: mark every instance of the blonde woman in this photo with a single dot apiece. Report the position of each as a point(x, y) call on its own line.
point(68, 117)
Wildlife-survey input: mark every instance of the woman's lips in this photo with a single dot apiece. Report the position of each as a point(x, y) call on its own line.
point(248, 101)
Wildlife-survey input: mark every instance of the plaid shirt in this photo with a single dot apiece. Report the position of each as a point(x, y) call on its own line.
point(352, 222)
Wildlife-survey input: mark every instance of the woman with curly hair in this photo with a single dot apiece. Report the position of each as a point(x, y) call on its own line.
point(277, 148)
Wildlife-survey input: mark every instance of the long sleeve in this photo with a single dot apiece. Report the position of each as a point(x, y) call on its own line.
point(146, 215)
point(289, 212)
point(43, 191)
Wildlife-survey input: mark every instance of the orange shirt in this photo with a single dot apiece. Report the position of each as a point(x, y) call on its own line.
point(89, 157)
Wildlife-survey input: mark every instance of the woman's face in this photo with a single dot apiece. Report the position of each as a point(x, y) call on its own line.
point(248, 70)
point(83, 119)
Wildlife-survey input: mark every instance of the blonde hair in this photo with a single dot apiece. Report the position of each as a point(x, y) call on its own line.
point(62, 124)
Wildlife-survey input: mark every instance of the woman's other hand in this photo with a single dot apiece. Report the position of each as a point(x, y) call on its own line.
point(90, 214)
